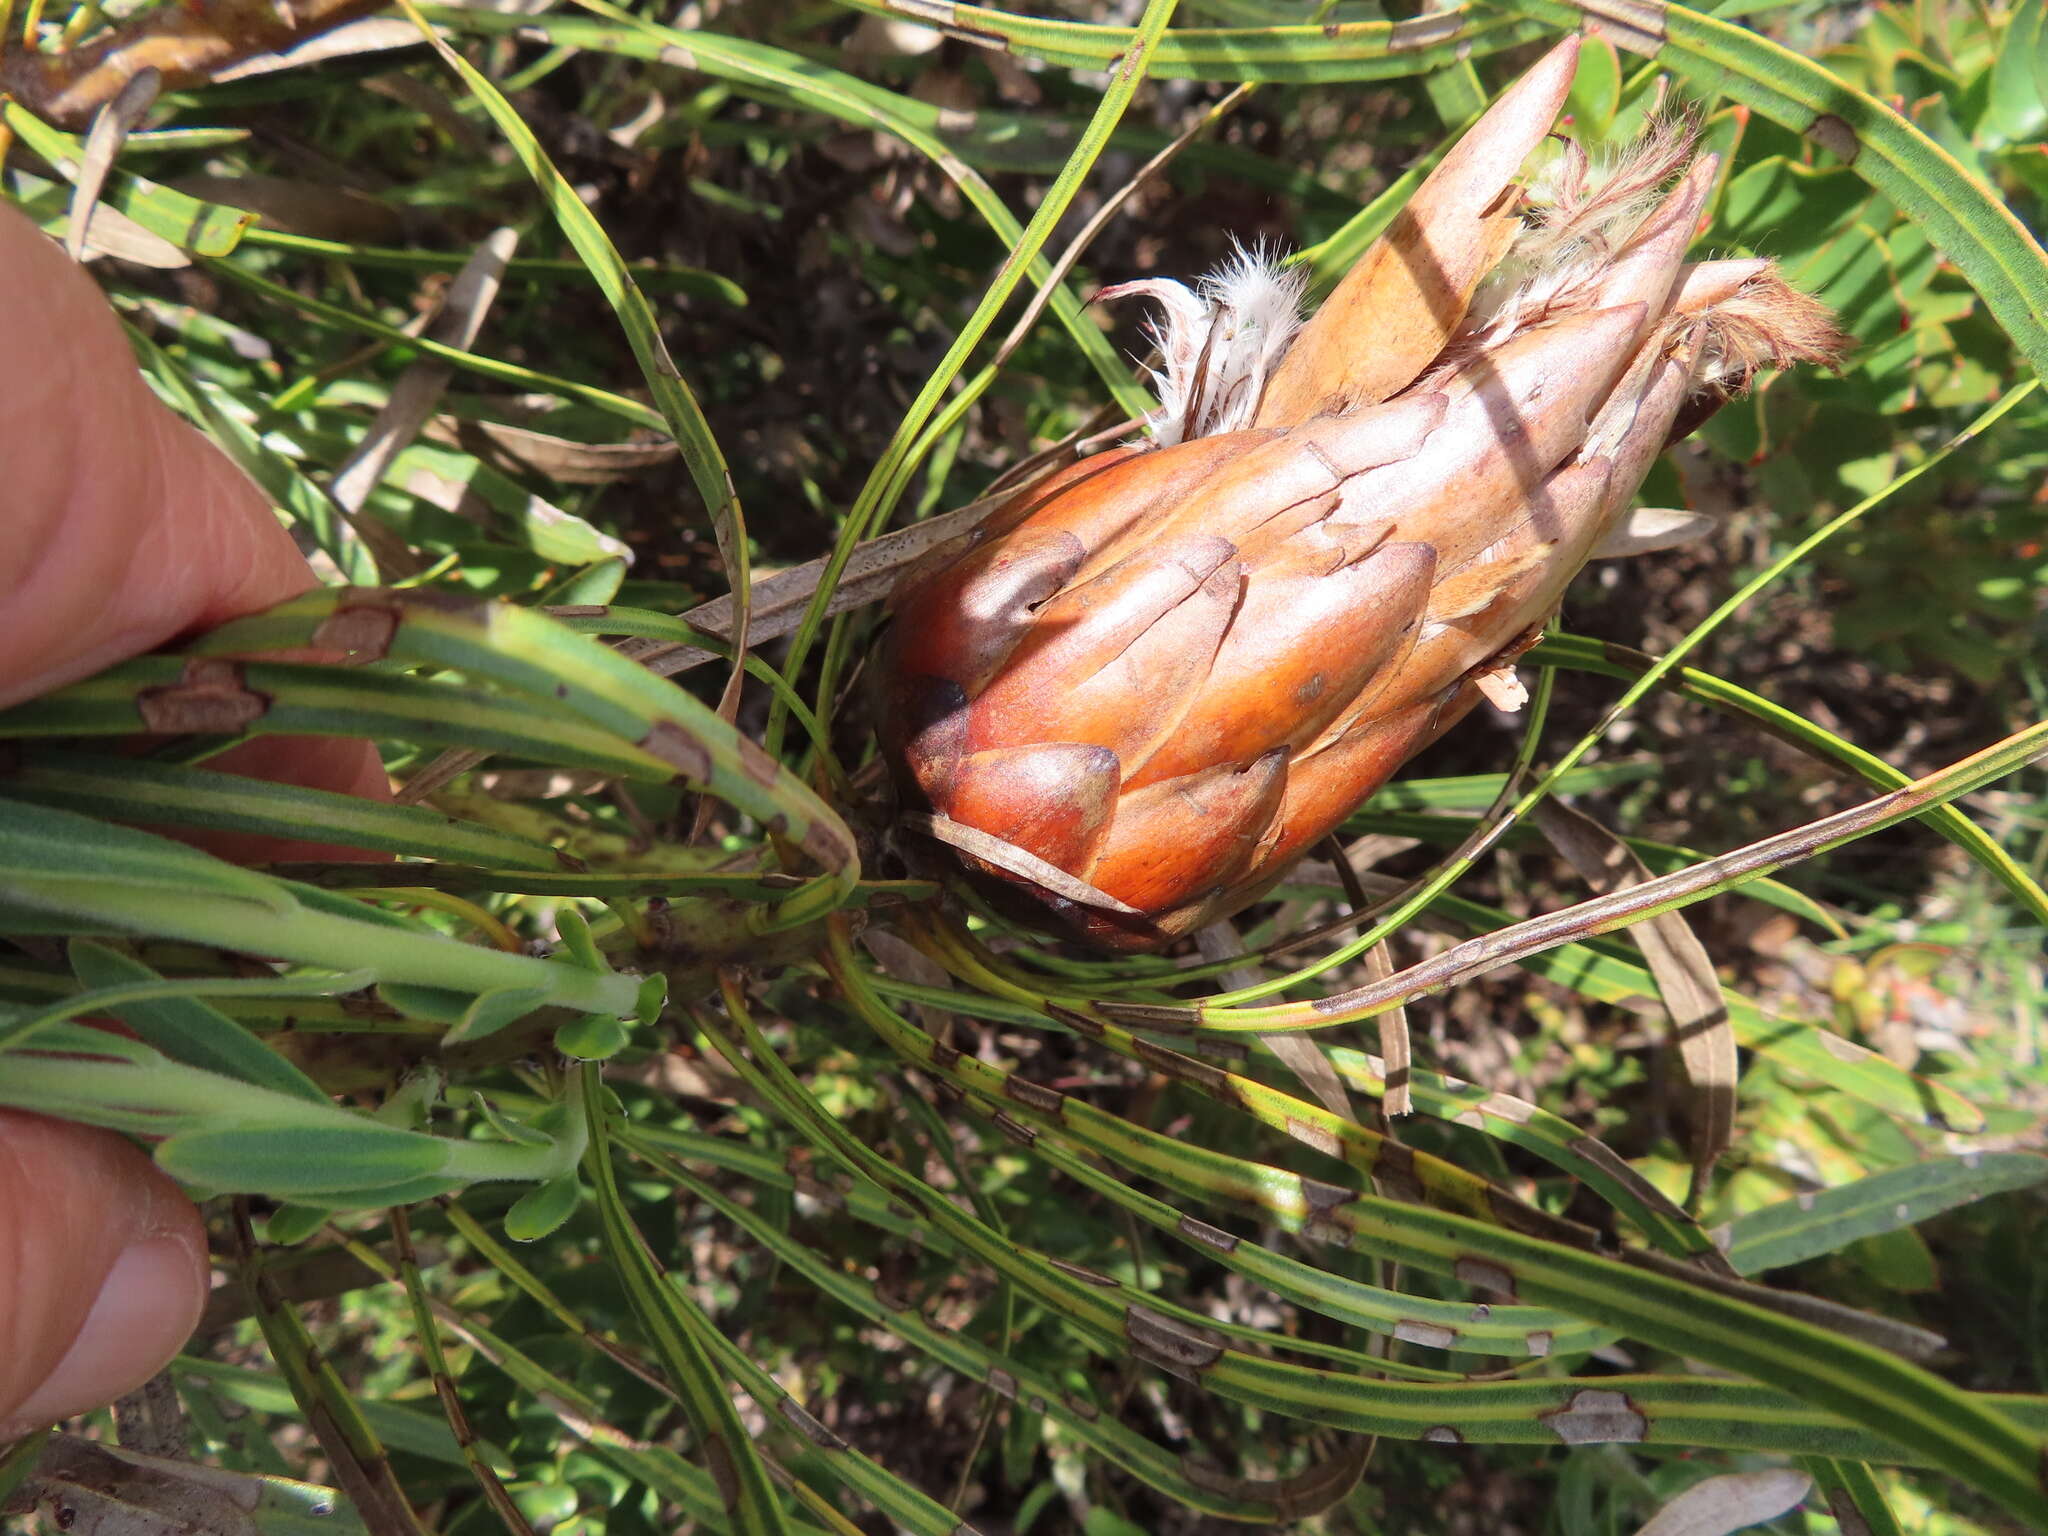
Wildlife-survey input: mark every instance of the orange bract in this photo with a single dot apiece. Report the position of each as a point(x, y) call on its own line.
point(1144, 687)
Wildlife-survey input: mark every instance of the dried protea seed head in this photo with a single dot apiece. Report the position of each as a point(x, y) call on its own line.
point(1149, 684)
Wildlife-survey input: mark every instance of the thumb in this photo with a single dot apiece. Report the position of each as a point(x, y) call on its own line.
point(103, 1270)
point(126, 528)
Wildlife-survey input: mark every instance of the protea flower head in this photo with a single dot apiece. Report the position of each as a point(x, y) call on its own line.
point(1142, 688)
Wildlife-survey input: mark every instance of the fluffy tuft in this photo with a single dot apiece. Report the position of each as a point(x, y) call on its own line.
point(1218, 342)
point(1766, 323)
point(1583, 212)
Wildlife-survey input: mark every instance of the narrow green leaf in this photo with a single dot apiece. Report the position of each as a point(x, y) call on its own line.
point(290, 1225)
point(1476, 792)
point(1853, 1497)
point(1809, 1225)
point(820, 88)
point(47, 854)
point(292, 1162)
point(672, 395)
point(1335, 51)
point(1590, 655)
point(207, 229)
point(138, 789)
point(47, 1022)
point(281, 479)
point(681, 1335)
point(1661, 858)
point(661, 277)
point(566, 673)
point(492, 1011)
point(594, 1037)
point(411, 1430)
point(1672, 1308)
point(2019, 73)
point(189, 1030)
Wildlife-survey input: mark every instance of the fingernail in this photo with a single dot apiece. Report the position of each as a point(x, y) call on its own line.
point(146, 1309)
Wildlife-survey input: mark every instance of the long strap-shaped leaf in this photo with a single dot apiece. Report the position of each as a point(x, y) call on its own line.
point(1510, 1329)
point(1499, 1115)
point(1853, 1496)
point(665, 382)
point(580, 1414)
point(532, 654)
point(1854, 1381)
point(681, 1335)
point(1660, 858)
point(1605, 914)
point(1597, 968)
point(1352, 50)
point(902, 1503)
point(1416, 1175)
point(1960, 214)
point(428, 1335)
point(1583, 653)
point(359, 1461)
point(137, 790)
point(1206, 1174)
point(1771, 1238)
point(758, 68)
point(1259, 1500)
point(1692, 1411)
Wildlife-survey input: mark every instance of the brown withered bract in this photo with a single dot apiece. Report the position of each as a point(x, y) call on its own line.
point(1145, 686)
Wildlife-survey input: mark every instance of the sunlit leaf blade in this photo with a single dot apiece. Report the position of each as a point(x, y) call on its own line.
point(207, 229)
point(2019, 74)
point(1353, 50)
point(37, 845)
point(672, 394)
point(1600, 970)
point(369, 1177)
point(1661, 858)
point(1584, 654)
point(1853, 1496)
point(652, 719)
point(1863, 1385)
point(1011, 1377)
point(65, 873)
point(410, 1430)
point(1828, 1220)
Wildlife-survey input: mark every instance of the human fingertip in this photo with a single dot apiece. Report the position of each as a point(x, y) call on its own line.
point(146, 1309)
point(103, 1269)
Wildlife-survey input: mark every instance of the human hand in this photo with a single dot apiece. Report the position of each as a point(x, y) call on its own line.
point(124, 529)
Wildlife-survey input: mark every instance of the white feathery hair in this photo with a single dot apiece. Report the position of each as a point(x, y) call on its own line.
point(1218, 341)
point(1584, 211)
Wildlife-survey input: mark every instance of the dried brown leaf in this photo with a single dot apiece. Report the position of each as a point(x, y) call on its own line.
point(1684, 973)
